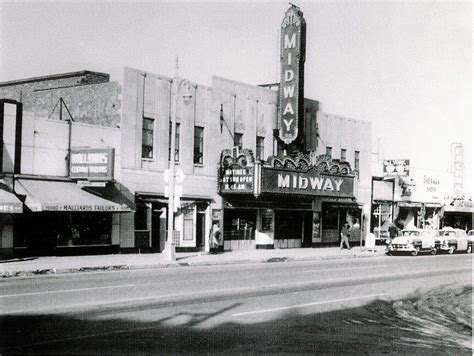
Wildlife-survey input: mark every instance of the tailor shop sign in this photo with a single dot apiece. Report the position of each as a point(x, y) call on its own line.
point(86, 163)
point(237, 179)
point(308, 183)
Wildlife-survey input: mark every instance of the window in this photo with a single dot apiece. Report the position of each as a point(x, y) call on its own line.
point(343, 154)
point(198, 145)
point(176, 147)
point(329, 151)
point(147, 137)
point(188, 225)
point(260, 142)
point(356, 161)
point(238, 139)
point(278, 147)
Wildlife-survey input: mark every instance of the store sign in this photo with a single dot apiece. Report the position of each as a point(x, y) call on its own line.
point(458, 163)
point(293, 29)
point(82, 207)
point(89, 163)
point(236, 179)
point(308, 183)
point(396, 167)
point(11, 208)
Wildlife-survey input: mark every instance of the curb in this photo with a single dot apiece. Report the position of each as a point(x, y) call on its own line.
point(50, 271)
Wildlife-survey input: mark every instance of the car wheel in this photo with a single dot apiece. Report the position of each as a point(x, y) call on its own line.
point(469, 249)
point(414, 253)
point(451, 250)
point(434, 251)
point(388, 253)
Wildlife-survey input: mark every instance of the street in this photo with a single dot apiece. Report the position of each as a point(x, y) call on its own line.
point(398, 305)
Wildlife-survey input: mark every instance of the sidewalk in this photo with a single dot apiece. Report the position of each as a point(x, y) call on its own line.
point(71, 264)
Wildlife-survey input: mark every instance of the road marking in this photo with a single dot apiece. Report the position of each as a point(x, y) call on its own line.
point(342, 269)
point(66, 291)
point(308, 304)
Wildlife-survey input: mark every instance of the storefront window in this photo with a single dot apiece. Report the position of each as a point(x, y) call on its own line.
point(62, 229)
point(188, 224)
point(86, 229)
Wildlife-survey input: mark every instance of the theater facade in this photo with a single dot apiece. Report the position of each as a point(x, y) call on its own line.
point(302, 195)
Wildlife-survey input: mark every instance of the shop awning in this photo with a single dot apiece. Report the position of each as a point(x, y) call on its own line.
point(459, 209)
point(341, 203)
point(44, 195)
point(9, 203)
point(432, 205)
point(406, 204)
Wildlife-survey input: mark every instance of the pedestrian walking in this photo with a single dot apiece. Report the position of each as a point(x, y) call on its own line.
point(214, 238)
point(393, 230)
point(345, 237)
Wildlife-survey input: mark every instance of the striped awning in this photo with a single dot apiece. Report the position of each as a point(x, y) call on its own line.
point(46, 195)
point(9, 203)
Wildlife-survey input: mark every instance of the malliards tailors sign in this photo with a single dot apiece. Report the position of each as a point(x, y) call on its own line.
point(281, 181)
point(292, 54)
point(86, 163)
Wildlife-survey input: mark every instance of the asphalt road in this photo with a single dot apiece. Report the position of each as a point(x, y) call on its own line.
point(395, 305)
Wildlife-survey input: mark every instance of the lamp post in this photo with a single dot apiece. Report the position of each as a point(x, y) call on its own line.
point(176, 83)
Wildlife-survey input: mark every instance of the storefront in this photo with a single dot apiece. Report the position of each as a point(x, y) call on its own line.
point(459, 214)
point(10, 207)
point(61, 218)
point(151, 222)
point(286, 202)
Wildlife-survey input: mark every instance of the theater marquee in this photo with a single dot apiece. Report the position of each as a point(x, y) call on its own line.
point(236, 172)
point(292, 54)
point(306, 183)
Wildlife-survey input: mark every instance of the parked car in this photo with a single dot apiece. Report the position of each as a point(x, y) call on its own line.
point(414, 241)
point(452, 240)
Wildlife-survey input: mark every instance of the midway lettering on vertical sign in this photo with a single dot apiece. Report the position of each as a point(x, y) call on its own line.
point(292, 75)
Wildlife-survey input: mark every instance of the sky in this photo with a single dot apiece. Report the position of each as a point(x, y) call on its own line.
point(404, 66)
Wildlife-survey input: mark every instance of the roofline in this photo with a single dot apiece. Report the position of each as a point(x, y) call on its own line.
point(52, 77)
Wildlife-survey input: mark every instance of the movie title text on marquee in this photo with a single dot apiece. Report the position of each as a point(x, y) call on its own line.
point(237, 179)
point(291, 81)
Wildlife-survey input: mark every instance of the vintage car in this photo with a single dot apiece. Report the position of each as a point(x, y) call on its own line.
point(414, 241)
point(452, 240)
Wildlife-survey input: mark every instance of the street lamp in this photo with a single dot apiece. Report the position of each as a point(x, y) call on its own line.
point(176, 83)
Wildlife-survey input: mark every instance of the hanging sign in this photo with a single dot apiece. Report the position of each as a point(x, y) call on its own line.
point(396, 167)
point(292, 54)
point(89, 163)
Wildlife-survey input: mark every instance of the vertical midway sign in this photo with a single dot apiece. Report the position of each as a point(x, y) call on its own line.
point(292, 58)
